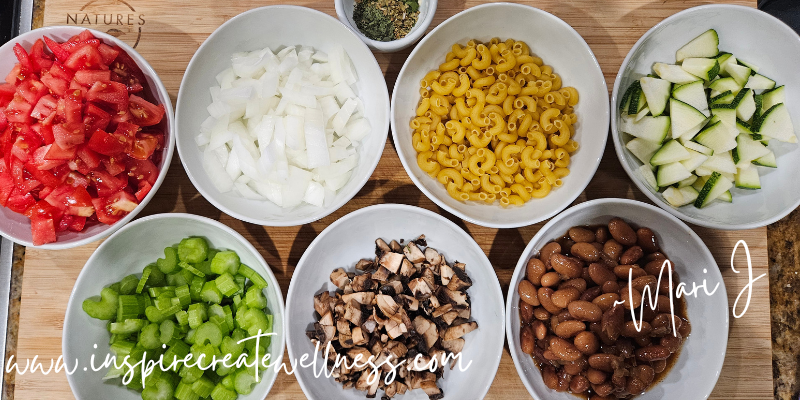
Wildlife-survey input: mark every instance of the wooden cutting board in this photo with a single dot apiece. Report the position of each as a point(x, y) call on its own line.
point(167, 32)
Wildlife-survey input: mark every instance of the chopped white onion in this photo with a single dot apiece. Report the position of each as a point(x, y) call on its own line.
point(285, 126)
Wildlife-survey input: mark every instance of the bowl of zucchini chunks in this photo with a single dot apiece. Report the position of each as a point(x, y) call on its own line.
point(704, 120)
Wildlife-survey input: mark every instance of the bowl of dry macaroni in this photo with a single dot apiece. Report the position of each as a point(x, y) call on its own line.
point(500, 115)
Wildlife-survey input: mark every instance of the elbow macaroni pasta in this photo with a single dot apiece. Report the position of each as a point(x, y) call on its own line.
point(495, 124)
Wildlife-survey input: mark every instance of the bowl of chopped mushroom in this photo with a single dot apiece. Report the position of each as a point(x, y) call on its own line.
point(403, 301)
point(387, 25)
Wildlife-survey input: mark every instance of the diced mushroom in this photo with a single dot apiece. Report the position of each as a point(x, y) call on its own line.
point(370, 325)
point(433, 256)
point(343, 326)
point(327, 319)
point(321, 303)
point(442, 310)
point(365, 265)
point(363, 283)
point(364, 298)
point(346, 341)
point(413, 253)
point(352, 312)
point(454, 346)
point(388, 307)
point(381, 275)
point(464, 311)
point(401, 388)
point(430, 388)
point(420, 364)
point(392, 288)
point(373, 389)
point(392, 261)
point(362, 361)
point(457, 331)
point(446, 272)
point(395, 329)
point(428, 330)
point(428, 277)
point(339, 278)
point(410, 302)
point(459, 281)
point(456, 298)
point(449, 317)
point(407, 268)
point(381, 247)
point(420, 288)
point(395, 246)
point(358, 336)
point(362, 383)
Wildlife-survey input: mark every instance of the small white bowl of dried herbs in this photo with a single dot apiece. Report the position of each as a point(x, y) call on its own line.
point(387, 25)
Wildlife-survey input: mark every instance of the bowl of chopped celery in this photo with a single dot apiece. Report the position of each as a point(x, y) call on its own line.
point(704, 106)
point(184, 289)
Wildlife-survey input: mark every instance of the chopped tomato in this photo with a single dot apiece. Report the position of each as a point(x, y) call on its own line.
point(107, 144)
point(77, 179)
point(144, 189)
point(114, 165)
point(105, 183)
point(89, 157)
point(7, 91)
point(59, 71)
point(44, 176)
point(19, 201)
point(31, 90)
point(144, 146)
point(6, 187)
point(44, 108)
point(95, 118)
point(24, 61)
point(109, 53)
point(143, 112)
point(72, 223)
point(40, 160)
point(43, 231)
point(73, 108)
point(58, 51)
point(142, 170)
point(15, 75)
point(67, 136)
point(72, 200)
point(18, 110)
point(88, 77)
point(85, 56)
point(109, 93)
point(39, 60)
point(104, 212)
point(56, 85)
point(56, 152)
point(127, 72)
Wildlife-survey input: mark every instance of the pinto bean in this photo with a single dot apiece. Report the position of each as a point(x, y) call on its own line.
point(596, 376)
point(622, 232)
point(525, 312)
point(564, 315)
point(604, 390)
point(655, 256)
point(562, 297)
point(576, 367)
point(568, 329)
point(549, 376)
point(646, 238)
point(685, 328)
point(526, 342)
point(659, 366)
point(585, 311)
point(611, 287)
point(547, 251)
point(605, 362)
point(591, 293)
point(600, 274)
point(654, 352)
point(586, 342)
point(563, 349)
point(601, 234)
point(586, 252)
point(644, 373)
point(534, 270)
point(672, 343)
point(539, 330)
point(629, 329)
point(579, 384)
point(654, 268)
point(612, 249)
point(622, 271)
point(545, 298)
point(645, 281)
point(581, 235)
point(577, 283)
point(527, 292)
point(631, 297)
point(569, 267)
point(551, 279)
point(631, 255)
point(541, 314)
point(606, 301)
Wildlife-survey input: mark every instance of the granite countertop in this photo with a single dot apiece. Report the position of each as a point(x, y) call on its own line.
point(784, 272)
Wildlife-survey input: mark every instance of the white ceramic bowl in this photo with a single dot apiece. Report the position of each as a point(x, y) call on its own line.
point(558, 45)
point(753, 35)
point(700, 361)
point(17, 227)
point(427, 9)
point(352, 238)
point(274, 27)
point(127, 252)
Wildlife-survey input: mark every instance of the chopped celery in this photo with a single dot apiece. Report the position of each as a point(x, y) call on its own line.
point(167, 331)
point(227, 382)
point(176, 351)
point(257, 320)
point(193, 250)
point(254, 277)
point(149, 337)
point(128, 307)
point(226, 285)
point(196, 287)
point(182, 317)
point(203, 387)
point(106, 308)
point(169, 263)
point(188, 267)
point(157, 278)
point(122, 348)
point(243, 382)
point(210, 293)
point(161, 389)
point(155, 315)
point(228, 316)
point(231, 346)
point(183, 295)
point(225, 261)
point(208, 332)
point(143, 280)
point(191, 374)
point(184, 391)
point(128, 284)
point(197, 315)
point(158, 291)
point(126, 327)
point(221, 392)
point(254, 298)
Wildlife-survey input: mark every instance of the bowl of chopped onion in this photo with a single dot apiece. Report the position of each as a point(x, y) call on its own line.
point(283, 114)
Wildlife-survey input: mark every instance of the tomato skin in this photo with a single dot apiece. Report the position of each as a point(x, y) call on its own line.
point(19, 201)
point(142, 170)
point(44, 108)
point(105, 183)
point(58, 51)
point(56, 152)
point(85, 56)
point(104, 212)
point(87, 77)
point(143, 112)
point(24, 61)
point(18, 110)
point(144, 189)
point(31, 90)
point(144, 146)
point(109, 53)
point(39, 60)
point(40, 161)
point(56, 85)
point(46, 177)
point(6, 187)
point(68, 136)
point(43, 230)
point(95, 118)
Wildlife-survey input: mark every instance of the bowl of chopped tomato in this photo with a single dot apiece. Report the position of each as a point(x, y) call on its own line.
point(85, 136)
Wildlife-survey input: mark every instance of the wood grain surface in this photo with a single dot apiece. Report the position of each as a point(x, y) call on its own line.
point(173, 30)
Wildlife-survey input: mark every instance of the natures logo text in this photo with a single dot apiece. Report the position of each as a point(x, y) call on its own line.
point(118, 18)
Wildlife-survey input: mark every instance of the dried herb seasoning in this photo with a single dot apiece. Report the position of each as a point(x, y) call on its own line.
point(385, 20)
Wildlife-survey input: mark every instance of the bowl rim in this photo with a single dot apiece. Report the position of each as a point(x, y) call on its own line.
point(159, 88)
point(394, 207)
point(589, 172)
point(204, 220)
point(380, 132)
point(519, 269)
point(620, 150)
point(392, 45)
